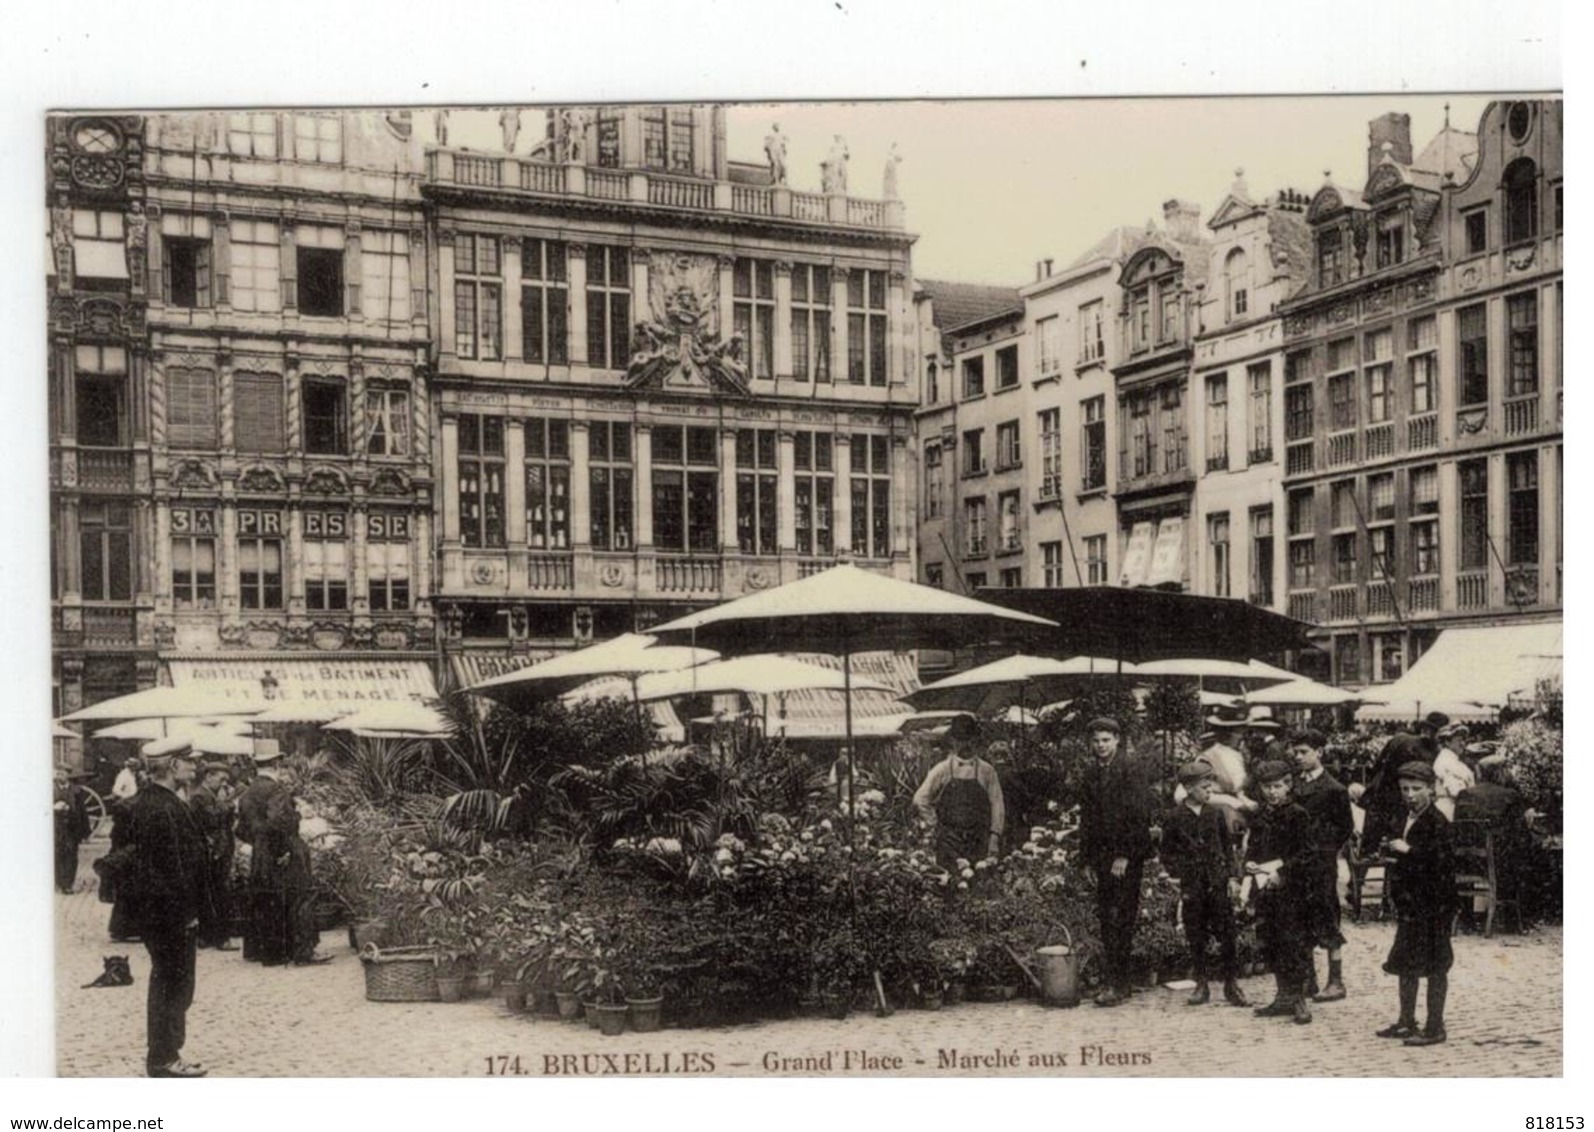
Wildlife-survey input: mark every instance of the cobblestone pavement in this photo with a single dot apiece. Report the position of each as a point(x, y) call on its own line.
point(248, 1021)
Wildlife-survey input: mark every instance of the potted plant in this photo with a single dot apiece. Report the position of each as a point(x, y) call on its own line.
point(636, 975)
point(841, 968)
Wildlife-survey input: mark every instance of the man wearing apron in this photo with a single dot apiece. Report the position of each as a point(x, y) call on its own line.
point(961, 800)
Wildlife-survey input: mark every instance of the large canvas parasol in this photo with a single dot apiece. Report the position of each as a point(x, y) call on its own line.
point(629, 655)
point(844, 610)
point(1020, 681)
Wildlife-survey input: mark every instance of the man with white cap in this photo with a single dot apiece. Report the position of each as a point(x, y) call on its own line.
point(1451, 773)
point(170, 892)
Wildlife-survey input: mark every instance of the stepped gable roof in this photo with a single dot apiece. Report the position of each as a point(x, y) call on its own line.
point(958, 304)
point(1118, 244)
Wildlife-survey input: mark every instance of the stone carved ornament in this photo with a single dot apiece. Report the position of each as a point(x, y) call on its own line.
point(681, 347)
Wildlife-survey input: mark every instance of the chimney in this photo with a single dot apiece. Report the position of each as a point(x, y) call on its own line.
point(1048, 269)
point(1394, 129)
point(1181, 218)
point(1038, 275)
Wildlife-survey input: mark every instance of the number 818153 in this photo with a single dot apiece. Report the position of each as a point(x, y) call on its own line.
point(1554, 1124)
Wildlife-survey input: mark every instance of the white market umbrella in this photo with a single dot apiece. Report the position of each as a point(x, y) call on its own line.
point(844, 610)
point(1207, 670)
point(394, 719)
point(145, 729)
point(57, 731)
point(629, 655)
point(302, 711)
point(759, 675)
point(1020, 679)
point(169, 703)
point(1306, 693)
point(209, 741)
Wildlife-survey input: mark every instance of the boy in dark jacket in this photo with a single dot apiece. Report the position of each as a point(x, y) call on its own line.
point(1423, 886)
point(1117, 804)
point(1198, 850)
point(1327, 803)
point(1278, 861)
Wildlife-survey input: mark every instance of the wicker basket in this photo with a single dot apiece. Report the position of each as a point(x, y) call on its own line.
point(400, 974)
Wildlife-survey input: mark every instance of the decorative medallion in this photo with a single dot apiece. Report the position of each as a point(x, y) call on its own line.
point(1520, 259)
point(263, 635)
point(101, 317)
point(1340, 313)
point(192, 473)
point(1472, 421)
point(165, 635)
point(757, 578)
point(327, 636)
point(680, 348)
point(297, 634)
point(1376, 302)
point(611, 574)
point(389, 482)
point(482, 572)
point(233, 635)
point(363, 635)
point(325, 481)
point(260, 479)
point(1469, 278)
point(96, 172)
point(1421, 290)
point(393, 637)
point(1298, 324)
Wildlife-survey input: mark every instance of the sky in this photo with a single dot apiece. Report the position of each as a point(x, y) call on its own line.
point(991, 186)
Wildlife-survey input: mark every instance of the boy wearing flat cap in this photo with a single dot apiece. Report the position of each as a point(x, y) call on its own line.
point(170, 896)
point(1117, 804)
point(1327, 804)
point(1198, 850)
point(1279, 862)
point(1422, 883)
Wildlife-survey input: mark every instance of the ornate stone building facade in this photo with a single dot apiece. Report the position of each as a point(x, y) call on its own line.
point(272, 396)
point(102, 594)
point(1422, 392)
point(663, 379)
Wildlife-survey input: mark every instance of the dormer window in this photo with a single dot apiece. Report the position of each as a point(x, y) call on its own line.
point(1330, 258)
point(1391, 241)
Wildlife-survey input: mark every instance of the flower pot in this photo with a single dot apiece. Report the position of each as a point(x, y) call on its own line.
point(993, 992)
point(644, 1013)
point(611, 1018)
point(450, 988)
point(954, 993)
point(930, 1000)
point(568, 1003)
point(367, 931)
point(589, 1011)
point(481, 983)
point(514, 997)
point(543, 1002)
point(836, 1004)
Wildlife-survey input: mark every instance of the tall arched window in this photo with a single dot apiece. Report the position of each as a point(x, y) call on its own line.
point(1521, 184)
point(1236, 285)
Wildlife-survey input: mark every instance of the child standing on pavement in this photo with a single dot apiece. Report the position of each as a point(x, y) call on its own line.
point(1278, 861)
point(1198, 850)
point(1423, 886)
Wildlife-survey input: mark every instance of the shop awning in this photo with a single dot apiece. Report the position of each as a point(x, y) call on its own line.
point(344, 681)
point(1470, 674)
point(471, 668)
point(815, 713)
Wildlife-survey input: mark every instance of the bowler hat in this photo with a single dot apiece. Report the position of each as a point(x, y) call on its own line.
point(1417, 771)
point(267, 750)
point(1436, 720)
point(962, 729)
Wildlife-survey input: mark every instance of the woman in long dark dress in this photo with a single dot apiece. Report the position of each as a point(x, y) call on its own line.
point(1423, 886)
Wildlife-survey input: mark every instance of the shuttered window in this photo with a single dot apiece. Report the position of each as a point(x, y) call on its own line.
point(258, 415)
point(191, 408)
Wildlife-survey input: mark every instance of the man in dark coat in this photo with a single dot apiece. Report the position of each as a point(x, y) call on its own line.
point(1198, 849)
point(215, 825)
point(169, 896)
point(1327, 803)
point(1278, 861)
point(1117, 804)
point(72, 827)
point(1423, 884)
point(267, 823)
